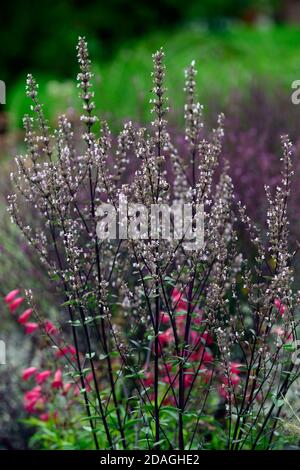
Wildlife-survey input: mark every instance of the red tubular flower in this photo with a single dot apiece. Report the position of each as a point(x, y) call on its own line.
point(164, 318)
point(29, 372)
point(149, 379)
point(36, 391)
point(165, 337)
point(47, 415)
point(11, 295)
point(71, 350)
point(44, 416)
point(50, 328)
point(280, 306)
point(208, 340)
point(178, 301)
point(188, 378)
point(76, 390)
point(235, 379)
point(15, 304)
point(207, 357)
point(202, 355)
point(30, 327)
point(41, 377)
point(57, 382)
point(33, 399)
point(65, 350)
point(25, 316)
point(167, 379)
point(62, 351)
point(89, 377)
point(235, 367)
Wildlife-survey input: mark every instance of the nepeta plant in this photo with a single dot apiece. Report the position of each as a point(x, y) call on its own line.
point(177, 343)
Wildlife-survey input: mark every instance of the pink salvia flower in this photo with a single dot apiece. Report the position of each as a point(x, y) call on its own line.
point(76, 390)
point(45, 416)
point(30, 327)
point(165, 337)
point(280, 306)
point(62, 351)
point(32, 399)
point(179, 303)
point(24, 317)
point(188, 378)
point(65, 350)
point(71, 349)
point(208, 340)
point(164, 318)
point(41, 377)
point(235, 367)
point(57, 382)
point(11, 295)
point(15, 304)
point(50, 328)
point(235, 379)
point(27, 373)
point(89, 377)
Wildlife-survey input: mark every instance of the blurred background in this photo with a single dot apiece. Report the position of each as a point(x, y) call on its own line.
point(235, 42)
point(247, 53)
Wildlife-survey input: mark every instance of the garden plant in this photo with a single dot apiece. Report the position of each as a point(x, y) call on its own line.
point(153, 345)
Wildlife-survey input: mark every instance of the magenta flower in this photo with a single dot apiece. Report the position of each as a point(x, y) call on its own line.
point(24, 317)
point(30, 327)
point(41, 377)
point(29, 372)
point(57, 382)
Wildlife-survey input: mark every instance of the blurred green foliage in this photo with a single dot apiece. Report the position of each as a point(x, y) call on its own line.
point(226, 60)
point(40, 35)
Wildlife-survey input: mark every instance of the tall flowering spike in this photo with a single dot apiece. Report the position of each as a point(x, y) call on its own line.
point(277, 218)
point(31, 87)
point(31, 138)
point(159, 142)
point(159, 107)
point(126, 139)
point(32, 93)
point(287, 172)
point(84, 83)
point(192, 109)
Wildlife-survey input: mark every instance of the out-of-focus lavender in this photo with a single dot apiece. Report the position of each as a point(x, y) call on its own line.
point(253, 127)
